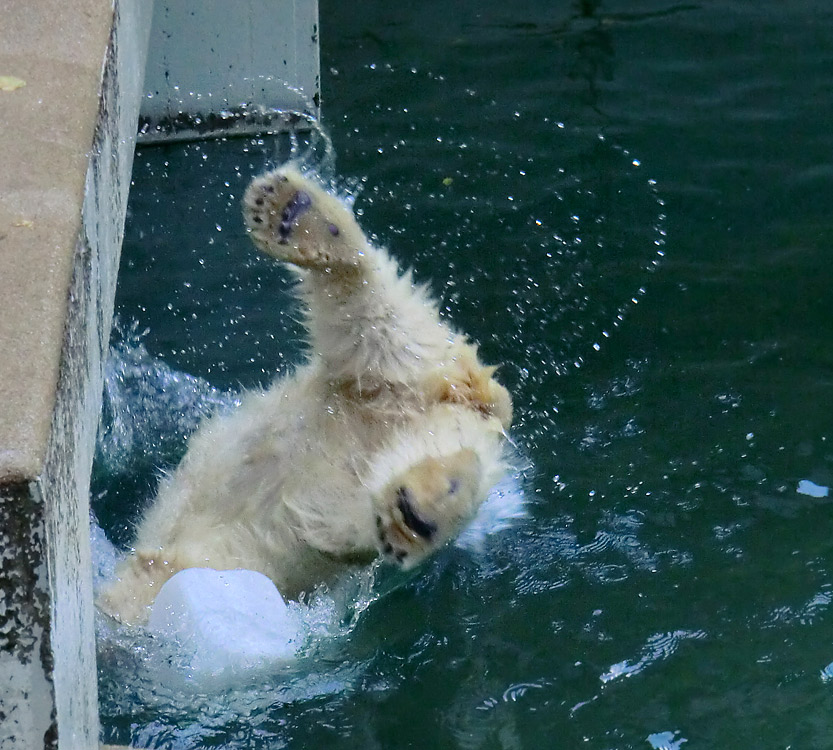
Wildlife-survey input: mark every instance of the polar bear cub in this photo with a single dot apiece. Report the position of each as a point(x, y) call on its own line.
point(384, 443)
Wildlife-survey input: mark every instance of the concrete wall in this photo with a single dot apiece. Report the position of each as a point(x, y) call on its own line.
point(66, 149)
point(71, 77)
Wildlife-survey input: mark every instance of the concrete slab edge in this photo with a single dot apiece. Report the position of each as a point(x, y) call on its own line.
point(48, 695)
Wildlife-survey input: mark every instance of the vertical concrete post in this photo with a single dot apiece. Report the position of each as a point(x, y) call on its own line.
point(221, 68)
point(68, 112)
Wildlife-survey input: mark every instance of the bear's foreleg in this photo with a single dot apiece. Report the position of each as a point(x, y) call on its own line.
point(428, 483)
point(370, 326)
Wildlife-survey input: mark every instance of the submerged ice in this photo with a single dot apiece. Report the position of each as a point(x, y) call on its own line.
point(227, 621)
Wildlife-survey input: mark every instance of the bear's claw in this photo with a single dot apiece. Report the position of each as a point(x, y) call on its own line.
point(417, 524)
point(422, 508)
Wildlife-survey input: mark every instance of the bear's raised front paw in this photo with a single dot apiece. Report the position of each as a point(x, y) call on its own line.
point(295, 220)
point(426, 506)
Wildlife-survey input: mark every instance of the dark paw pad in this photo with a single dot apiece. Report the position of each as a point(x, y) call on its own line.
point(417, 524)
point(298, 205)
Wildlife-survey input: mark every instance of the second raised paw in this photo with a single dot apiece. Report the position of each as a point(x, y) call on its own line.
point(426, 506)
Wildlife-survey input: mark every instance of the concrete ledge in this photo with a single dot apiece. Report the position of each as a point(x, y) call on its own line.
point(221, 68)
point(66, 151)
point(46, 131)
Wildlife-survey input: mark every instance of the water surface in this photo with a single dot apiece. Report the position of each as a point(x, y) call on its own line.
point(628, 205)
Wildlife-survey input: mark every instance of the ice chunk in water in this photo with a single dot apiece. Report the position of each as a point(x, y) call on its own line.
point(806, 487)
point(665, 740)
point(226, 621)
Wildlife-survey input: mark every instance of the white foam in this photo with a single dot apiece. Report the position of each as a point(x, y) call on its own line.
point(666, 740)
point(104, 556)
point(504, 506)
point(226, 621)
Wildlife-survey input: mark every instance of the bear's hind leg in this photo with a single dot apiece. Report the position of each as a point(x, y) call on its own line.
point(431, 477)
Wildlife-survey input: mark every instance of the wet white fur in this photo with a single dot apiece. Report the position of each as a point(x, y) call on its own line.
point(302, 480)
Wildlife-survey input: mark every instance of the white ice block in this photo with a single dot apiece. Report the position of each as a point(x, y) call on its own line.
point(806, 487)
point(226, 620)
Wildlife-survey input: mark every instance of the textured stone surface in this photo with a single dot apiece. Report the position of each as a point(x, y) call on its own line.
point(46, 133)
point(66, 152)
point(26, 693)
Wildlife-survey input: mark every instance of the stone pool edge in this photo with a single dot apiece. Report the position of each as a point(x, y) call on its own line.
point(67, 140)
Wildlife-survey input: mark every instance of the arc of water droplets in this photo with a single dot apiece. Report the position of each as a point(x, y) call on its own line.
point(311, 147)
point(656, 260)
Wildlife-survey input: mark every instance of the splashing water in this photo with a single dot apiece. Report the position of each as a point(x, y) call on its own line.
point(541, 304)
point(150, 410)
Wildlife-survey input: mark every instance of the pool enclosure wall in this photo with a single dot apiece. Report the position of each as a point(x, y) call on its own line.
point(72, 100)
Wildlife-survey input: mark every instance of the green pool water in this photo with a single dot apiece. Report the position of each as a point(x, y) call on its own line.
point(628, 205)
